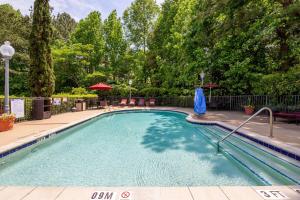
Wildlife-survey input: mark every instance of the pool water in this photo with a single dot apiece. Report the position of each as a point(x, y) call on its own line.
point(153, 148)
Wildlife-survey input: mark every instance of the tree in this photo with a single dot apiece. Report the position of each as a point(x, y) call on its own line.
point(70, 63)
point(115, 44)
point(64, 25)
point(42, 80)
point(139, 20)
point(15, 28)
point(90, 31)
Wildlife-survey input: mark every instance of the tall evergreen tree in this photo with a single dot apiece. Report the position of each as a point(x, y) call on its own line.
point(42, 80)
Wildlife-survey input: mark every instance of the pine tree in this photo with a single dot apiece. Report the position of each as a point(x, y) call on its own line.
point(42, 80)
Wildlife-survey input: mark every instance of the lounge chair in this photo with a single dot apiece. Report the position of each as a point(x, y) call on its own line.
point(141, 102)
point(132, 102)
point(123, 102)
point(288, 115)
point(103, 104)
point(152, 102)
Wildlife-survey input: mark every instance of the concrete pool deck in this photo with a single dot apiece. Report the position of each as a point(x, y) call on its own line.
point(146, 193)
point(283, 134)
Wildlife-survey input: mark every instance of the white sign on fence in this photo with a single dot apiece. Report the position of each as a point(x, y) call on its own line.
point(17, 107)
point(56, 101)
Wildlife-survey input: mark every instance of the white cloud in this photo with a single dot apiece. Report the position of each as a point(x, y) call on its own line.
point(77, 8)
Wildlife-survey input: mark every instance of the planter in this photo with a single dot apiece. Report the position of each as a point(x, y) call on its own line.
point(249, 110)
point(6, 124)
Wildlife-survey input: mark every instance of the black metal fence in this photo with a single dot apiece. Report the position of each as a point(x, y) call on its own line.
point(230, 103)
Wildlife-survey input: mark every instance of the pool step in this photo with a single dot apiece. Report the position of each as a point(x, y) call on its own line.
point(270, 159)
point(269, 168)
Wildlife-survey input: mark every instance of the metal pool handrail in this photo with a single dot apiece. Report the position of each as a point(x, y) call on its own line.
point(258, 112)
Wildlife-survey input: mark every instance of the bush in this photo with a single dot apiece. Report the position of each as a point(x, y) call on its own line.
point(80, 96)
point(152, 92)
point(123, 91)
point(279, 83)
point(79, 91)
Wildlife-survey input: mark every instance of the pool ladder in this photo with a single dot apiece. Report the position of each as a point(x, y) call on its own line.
point(258, 112)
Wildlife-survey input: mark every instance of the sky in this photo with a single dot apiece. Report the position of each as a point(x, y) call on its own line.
point(78, 9)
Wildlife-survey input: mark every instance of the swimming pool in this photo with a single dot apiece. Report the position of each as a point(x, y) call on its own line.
point(144, 148)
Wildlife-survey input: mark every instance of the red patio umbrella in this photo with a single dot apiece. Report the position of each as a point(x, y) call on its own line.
point(100, 86)
point(210, 86)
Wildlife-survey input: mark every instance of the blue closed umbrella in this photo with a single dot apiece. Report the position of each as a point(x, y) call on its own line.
point(199, 102)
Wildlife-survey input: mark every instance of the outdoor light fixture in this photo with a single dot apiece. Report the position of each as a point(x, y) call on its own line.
point(7, 52)
point(130, 83)
point(202, 75)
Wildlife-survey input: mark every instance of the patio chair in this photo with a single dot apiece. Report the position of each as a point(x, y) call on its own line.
point(123, 102)
point(141, 102)
point(132, 102)
point(152, 102)
point(288, 115)
point(103, 104)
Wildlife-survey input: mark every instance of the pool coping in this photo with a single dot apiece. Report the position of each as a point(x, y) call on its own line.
point(285, 150)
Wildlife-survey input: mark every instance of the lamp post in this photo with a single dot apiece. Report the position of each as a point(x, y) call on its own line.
point(202, 75)
point(130, 83)
point(7, 53)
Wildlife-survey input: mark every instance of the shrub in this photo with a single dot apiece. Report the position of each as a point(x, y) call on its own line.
point(79, 91)
point(68, 95)
point(151, 92)
point(123, 90)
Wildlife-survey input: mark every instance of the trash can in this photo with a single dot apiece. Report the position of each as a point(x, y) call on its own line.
point(80, 105)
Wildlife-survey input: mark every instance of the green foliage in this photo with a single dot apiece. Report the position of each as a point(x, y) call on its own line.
point(115, 44)
point(90, 31)
point(239, 42)
point(42, 80)
point(246, 47)
point(94, 78)
point(63, 25)
point(279, 83)
point(79, 91)
point(139, 19)
point(77, 96)
point(122, 91)
point(15, 28)
point(70, 63)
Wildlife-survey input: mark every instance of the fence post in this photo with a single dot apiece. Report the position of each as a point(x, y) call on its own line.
point(230, 102)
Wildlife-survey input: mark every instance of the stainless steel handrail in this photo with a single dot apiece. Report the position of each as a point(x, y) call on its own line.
point(271, 126)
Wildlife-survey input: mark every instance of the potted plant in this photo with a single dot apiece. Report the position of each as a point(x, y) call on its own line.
point(249, 109)
point(7, 122)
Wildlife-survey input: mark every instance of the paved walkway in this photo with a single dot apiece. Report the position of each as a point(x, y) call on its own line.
point(147, 193)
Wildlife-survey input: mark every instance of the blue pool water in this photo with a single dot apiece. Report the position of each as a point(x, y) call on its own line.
point(154, 148)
